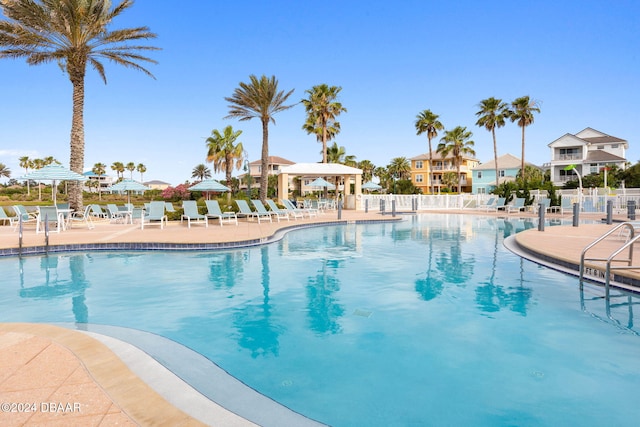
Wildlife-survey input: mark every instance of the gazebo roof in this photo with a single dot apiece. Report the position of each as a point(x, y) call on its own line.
point(320, 169)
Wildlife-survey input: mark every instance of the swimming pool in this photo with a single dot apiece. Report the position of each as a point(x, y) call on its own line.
point(429, 321)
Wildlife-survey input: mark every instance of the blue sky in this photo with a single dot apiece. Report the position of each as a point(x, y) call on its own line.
point(579, 59)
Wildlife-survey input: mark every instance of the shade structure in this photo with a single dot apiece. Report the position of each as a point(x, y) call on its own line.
point(128, 185)
point(54, 172)
point(322, 183)
point(209, 185)
point(371, 186)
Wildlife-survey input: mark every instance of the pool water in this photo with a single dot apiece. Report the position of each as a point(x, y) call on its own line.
point(429, 321)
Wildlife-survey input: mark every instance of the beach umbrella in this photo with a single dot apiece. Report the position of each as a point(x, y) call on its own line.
point(128, 185)
point(322, 183)
point(54, 173)
point(371, 186)
point(209, 185)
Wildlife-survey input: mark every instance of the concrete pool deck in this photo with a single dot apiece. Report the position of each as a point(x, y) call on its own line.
point(50, 375)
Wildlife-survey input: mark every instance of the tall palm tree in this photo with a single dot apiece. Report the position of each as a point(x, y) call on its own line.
point(118, 167)
point(400, 168)
point(130, 167)
point(522, 110)
point(26, 163)
point(493, 113)
point(99, 169)
point(322, 109)
point(224, 152)
point(335, 153)
point(38, 164)
point(72, 33)
point(260, 98)
point(5, 172)
point(367, 169)
point(427, 122)
point(201, 172)
point(141, 169)
point(456, 142)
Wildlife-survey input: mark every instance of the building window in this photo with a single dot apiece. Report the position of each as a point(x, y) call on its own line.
point(501, 173)
point(419, 178)
point(479, 176)
point(600, 147)
point(593, 168)
point(614, 145)
point(569, 154)
point(419, 164)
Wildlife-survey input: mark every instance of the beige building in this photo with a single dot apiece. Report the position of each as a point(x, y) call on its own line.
point(422, 176)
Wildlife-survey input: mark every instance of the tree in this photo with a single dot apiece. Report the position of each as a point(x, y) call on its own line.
point(5, 172)
point(400, 168)
point(72, 33)
point(335, 154)
point(118, 167)
point(322, 110)
point(456, 142)
point(26, 163)
point(492, 114)
point(522, 112)
point(141, 169)
point(367, 169)
point(99, 169)
point(260, 98)
point(427, 122)
point(201, 172)
point(224, 152)
point(130, 167)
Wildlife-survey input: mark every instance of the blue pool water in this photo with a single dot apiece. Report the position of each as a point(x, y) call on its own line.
point(430, 321)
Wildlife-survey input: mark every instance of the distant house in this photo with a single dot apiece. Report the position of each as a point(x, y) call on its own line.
point(590, 151)
point(422, 175)
point(274, 163)
point(157, 185)
point(484, 175)
point(104, 181)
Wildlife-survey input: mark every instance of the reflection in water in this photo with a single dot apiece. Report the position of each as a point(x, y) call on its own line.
point(617, 310)
point(226, 268)
point(324, 309)
point(431, 286)
point(253, 321)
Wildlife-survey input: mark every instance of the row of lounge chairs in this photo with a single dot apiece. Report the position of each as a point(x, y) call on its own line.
point(497, 204)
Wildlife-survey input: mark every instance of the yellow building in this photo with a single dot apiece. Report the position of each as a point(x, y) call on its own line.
point(422, 176)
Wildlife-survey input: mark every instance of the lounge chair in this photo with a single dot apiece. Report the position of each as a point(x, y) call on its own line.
point(23, 216)
point(260, 208)
point(289, 206)
point(546, 205)
point(4, 217)
point(500, 206)
point(117, 215)
point(84, 217)
point(191, 213)
point(517, 206)
point(154, 215)
point(281, 212)
point(169, 207)
point(48, 216)
point(98, 212)
point(246, 211)
point(489, 205)
point(214, 212)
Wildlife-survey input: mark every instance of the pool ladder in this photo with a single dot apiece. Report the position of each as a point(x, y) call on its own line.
point(627, 246)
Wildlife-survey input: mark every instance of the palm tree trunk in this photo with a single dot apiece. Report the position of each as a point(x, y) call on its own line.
point(264, 174)
point(522, 160)
point(430, 169)
point(76, 160)
point(458, 169)
point(495, 154)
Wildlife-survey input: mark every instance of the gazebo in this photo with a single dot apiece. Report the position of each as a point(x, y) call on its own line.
point(324, 170)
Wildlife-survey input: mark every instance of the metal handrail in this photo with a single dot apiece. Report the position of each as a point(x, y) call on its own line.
point(600, 239)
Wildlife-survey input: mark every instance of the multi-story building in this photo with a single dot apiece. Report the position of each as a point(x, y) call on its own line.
point(255, 170)
point(589, 151)
point(484, 175)
point(422, 176)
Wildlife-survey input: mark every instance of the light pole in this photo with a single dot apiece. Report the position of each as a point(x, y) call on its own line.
point(573, 168)
point(247, 169)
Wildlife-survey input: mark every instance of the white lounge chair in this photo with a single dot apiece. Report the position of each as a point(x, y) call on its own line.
point(260, 208)
point(48, 216)
point(246, 211)
point(191, 213)
point(281, 212)
point(155, 215)
point(214, 212)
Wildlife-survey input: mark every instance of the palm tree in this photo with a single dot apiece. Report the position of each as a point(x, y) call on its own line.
point(38, 164)
point(201, 172)
point(118, 167)
point(72, 33)
point(367, 169)
point(99, 169)
point(4, 171)
point(493, 113)
point(400, 168)
point(260, 98)
point(335, 153)
point(427, 122)
point(26, 163)
point(383, 176)
point(522, 112)
point(141, 169)
point(130, 167)
point(322, 110)
point(224, 152)
point(456, 142)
